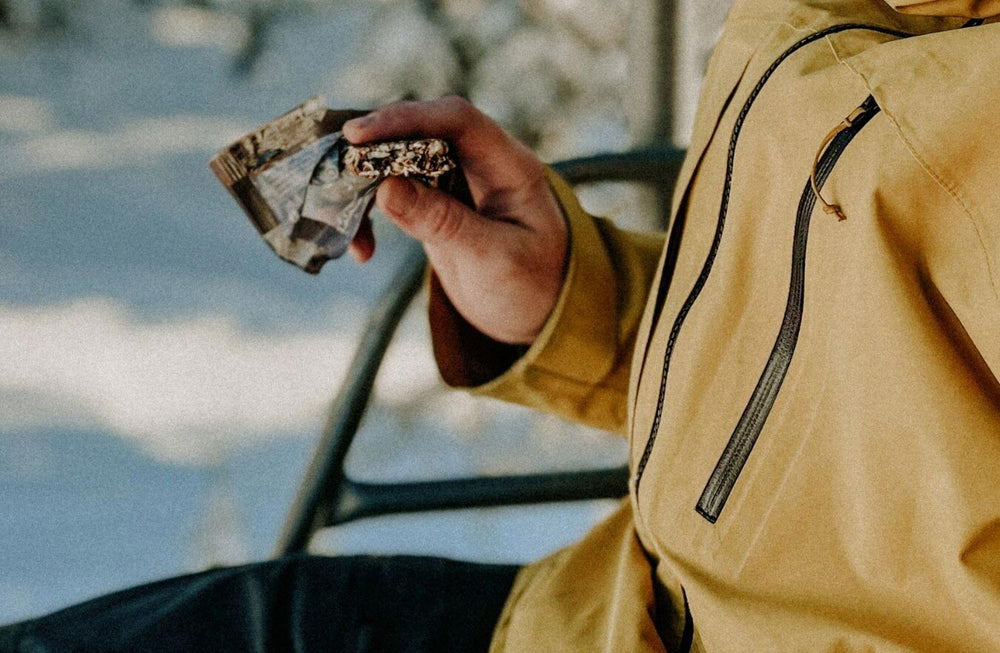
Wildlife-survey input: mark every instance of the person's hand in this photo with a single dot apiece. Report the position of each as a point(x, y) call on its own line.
point(501, 265)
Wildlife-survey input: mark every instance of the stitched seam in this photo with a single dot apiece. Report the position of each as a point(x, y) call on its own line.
point(938, 178)
point(541, 371)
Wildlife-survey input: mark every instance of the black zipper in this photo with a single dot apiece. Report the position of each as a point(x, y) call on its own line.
point(741, 443)
point(720, 226)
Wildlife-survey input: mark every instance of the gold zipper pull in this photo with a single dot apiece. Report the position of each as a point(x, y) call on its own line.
point(828, 208)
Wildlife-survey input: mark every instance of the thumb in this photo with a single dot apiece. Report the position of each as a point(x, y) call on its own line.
point(428, 214)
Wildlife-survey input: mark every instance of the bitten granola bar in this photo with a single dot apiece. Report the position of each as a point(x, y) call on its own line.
point(425, 159)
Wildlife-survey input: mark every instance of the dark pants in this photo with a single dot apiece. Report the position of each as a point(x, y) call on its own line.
point(301, 603)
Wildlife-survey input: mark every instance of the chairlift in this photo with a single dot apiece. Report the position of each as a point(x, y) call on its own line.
point(328, 497)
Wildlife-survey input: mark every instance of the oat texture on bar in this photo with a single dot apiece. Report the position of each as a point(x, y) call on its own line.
point(425, 159)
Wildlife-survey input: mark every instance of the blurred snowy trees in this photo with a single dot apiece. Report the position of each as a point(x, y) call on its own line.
point(554, 72)
point(34, 16)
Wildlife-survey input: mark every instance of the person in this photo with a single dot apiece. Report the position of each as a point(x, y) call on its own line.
point(805, 365)
point(811, 403)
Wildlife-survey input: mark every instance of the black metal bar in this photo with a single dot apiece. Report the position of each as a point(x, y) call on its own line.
point(359, 500)
point(316, 495)
point(657, 166)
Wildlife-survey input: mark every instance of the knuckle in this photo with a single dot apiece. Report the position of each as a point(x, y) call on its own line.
point(456, 103)
point(397, 106)
point(463, 110)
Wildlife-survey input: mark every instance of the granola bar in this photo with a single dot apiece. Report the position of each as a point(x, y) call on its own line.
point(425, 159)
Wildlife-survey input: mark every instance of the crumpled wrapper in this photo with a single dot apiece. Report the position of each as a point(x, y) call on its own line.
point(290, 178)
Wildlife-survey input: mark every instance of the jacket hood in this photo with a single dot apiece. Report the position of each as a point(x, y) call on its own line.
point(966, 8)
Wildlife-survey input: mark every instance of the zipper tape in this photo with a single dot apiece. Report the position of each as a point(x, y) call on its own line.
point(741, 443)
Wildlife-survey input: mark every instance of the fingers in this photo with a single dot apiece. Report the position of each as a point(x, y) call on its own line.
point(481, 144)
point(363, 246)
point(502, 276)
point(448, 117)
point(427, 214)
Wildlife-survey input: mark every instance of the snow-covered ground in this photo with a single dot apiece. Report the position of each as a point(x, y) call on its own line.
point(164, 375)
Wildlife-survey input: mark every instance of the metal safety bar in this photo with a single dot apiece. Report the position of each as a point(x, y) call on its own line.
point(327, 497)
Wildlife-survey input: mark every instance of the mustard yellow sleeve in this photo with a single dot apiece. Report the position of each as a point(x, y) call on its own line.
point(578, 366)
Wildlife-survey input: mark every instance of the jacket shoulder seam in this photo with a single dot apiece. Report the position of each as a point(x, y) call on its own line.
point(948, 187)
point(544, 371)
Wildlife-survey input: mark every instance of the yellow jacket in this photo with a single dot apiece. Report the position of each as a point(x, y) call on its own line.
point(812, 405)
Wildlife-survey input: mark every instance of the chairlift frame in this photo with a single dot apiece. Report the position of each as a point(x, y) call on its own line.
point(327, 497)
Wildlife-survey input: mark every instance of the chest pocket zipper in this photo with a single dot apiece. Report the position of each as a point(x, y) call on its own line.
point(846, 124)
point(720, 227)
point(734, 457)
